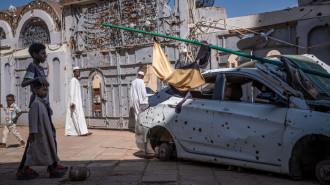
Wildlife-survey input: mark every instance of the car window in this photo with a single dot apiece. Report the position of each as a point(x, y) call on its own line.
point(206, 90)
point(246, 89)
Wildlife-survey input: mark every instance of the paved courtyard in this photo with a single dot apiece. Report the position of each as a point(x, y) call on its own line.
point(114, 159)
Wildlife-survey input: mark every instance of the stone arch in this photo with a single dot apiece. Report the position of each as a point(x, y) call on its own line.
point(6, 28)
point(93, 73)
point(316, 36)
point(47, 7)
point(42, 15)
point(34, 30)
point(7, 22)
point(6, 34)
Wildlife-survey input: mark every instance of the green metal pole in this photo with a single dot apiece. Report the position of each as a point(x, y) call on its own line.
point(221, 49)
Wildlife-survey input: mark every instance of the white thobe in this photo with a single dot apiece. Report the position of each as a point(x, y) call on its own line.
point(138, 93)
point(75, 118)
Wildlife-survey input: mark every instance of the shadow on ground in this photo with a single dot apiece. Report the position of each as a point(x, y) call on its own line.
point(149, 170)
point(113, 158)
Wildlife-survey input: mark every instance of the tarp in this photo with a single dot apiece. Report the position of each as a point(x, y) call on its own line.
point(150, 79)
point(183, 79)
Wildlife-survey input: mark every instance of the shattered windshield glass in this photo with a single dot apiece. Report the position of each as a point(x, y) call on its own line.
point(312, 86)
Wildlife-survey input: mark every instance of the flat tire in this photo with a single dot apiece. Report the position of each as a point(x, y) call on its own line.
point(164, 152)
point(322, 172)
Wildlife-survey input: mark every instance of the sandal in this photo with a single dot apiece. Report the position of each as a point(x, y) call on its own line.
point(31, 172)
point(60, 168)
point(27, 175)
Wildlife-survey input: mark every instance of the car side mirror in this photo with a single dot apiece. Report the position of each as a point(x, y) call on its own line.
point(274, 99)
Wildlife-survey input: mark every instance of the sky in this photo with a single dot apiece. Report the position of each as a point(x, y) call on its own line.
point(234, 8)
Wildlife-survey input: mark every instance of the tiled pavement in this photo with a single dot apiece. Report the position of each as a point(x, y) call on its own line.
point(114, 159)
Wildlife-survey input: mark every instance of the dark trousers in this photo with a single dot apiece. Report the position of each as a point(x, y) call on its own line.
point(22, 164)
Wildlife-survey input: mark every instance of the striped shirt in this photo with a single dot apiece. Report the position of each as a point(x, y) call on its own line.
point(11, 112)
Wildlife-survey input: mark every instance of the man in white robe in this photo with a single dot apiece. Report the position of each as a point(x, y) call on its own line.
point(138, 93)
point(75, 117)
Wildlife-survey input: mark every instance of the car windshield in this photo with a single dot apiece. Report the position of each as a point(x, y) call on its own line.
point(312, 86)
point(149, 91)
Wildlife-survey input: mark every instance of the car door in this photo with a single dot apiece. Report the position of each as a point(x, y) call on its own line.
point(192, 126)
point(248, 131)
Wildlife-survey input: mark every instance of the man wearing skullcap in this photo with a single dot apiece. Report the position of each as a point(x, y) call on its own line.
point(138, 93)
point(75, 117)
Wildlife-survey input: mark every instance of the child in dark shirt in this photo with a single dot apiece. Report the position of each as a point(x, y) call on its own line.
point(35, 73)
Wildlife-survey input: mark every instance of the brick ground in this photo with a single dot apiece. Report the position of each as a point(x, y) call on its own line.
point(113, 158)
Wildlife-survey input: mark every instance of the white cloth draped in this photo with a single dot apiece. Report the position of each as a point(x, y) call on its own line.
point(75, 119)
point(138, 93)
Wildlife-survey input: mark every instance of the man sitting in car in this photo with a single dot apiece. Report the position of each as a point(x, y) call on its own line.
point(233, 92)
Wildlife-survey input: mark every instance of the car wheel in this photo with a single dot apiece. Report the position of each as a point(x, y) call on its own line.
point(164, 152)
point(322, 171)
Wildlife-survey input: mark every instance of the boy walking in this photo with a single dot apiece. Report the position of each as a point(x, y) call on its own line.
point(12, 114)
point(35, 74)
point(42, 144)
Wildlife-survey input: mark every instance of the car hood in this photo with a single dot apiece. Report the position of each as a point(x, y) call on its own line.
point(312, 87)
point(160, 96)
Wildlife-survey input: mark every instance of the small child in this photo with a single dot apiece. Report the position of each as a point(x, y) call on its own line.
point(12, 114)
point(42, 146)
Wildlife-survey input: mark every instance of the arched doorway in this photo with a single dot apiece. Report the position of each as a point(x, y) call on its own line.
point(56, 83)
point(316, 37)
point(34, 30)
point(96, 96)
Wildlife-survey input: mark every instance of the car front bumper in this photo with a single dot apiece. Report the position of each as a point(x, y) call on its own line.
point(141, 133)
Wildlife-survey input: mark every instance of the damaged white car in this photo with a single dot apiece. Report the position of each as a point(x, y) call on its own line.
point(268, 118)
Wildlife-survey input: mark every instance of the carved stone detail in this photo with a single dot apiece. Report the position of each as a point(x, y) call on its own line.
point(35, 30)
point(13, 18)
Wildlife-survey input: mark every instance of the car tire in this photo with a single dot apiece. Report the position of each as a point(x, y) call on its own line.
point(322, 172)
point(164, 152)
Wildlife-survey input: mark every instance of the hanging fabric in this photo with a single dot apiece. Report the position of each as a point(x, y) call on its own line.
point(203, 56)
point(186, 77)
point(150, 79)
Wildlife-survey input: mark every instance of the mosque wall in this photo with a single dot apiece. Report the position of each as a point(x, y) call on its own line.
point(74, 36)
